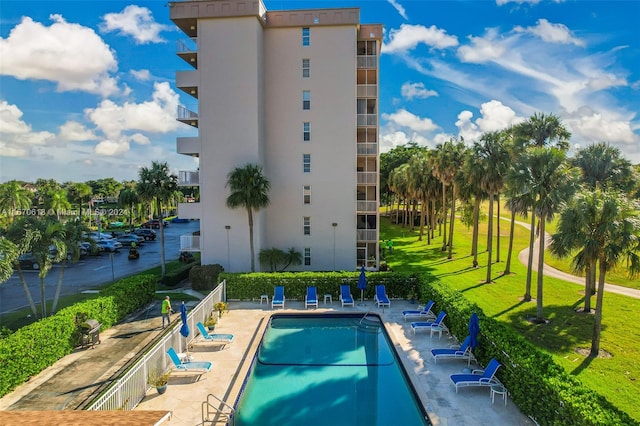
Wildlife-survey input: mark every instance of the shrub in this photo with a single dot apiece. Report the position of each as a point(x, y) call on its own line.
point(205, 277)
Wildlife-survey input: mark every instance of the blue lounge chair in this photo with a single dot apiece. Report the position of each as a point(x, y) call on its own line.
point(436, 326)
point(311, 298)
point(424, 314)
point(345, 295)
point(484, 377)
point(199, 367)
point(278, 297)
point(463, 352)
point(214, 337)
point(381, 296)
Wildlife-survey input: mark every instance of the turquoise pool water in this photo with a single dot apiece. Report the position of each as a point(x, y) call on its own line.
point(327, 370)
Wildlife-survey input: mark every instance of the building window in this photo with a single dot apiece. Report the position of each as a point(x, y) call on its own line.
point(306, 36)
point(306, 163)
point(306, 66)
point(307, 256)
point(306, 194)
point(306, 132)
point(306, 99)
point(307, 226)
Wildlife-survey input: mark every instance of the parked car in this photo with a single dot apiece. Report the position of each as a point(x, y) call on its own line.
point(110, 246)
point(27, 261)
point(147, 234)
point(179, 220)
point(93, 250)
point(128, 239)
point(155, 224)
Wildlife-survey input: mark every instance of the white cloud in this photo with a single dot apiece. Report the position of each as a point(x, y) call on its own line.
point(591, 126)
point(111, 148)
point(466, 128)
point(409, 36)
point(75, 132)
point(17, 139)
point(496, 116)
point(482, 49)
point(551, 33)
point(137, 22)
point(140, 139)
point(72, 56)
point(399, 8)
point(503, 2)
point(142, 75)
point(416, 90)
point(407, 119)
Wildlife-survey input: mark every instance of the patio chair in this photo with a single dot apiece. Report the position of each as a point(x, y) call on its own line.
point(423, 314)
point(200, 367)
point(484, 377)
point(436, 326)
point(224, 339)
point(381, 296)
point(311, 298)
point(345, 295)
point(278, 297)
point(461, 352)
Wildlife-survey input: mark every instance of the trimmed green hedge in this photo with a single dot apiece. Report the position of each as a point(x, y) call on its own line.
point(540, 387)
point(35, 347)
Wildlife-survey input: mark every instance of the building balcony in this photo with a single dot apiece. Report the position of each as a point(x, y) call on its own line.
point(368, 235)
point(366, 206)
point(188, 81)
point(188, 51)
point(367, 91)
point(188, 115)
point(189, 242)
point(367, 61)
point(367, 148)
point(188, 178)
point(190, 210)
point(189, 146)
point(367, 119)
point(367, 178)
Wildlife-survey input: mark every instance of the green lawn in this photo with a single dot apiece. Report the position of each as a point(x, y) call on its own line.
point(617, 377)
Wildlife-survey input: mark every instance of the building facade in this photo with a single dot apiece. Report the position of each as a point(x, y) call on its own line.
point(295, 91)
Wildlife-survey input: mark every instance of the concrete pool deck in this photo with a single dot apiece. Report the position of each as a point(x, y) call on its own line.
point(247, 321)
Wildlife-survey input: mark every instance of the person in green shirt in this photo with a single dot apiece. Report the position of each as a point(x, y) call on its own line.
point(166, 312)
point(390, 246)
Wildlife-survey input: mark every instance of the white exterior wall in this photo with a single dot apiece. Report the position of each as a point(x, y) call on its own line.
point(230, 124)
point(332, 146)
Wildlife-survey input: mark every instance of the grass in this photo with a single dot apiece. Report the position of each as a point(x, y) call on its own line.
point(616, 377)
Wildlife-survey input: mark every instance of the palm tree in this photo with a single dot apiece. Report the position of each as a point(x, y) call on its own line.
point(19, 241)
point(420, 177)
point(10, 253)
point(129, 197)
point(13, 198)
point(57, 201)
point(471, 175)
point(73, 232)
point(79, 192)
point(605, 228)
point(272, 257)
point(249, 189)
point(603, 166)
point(292, 257)
point(398, 184)
point(156, 184)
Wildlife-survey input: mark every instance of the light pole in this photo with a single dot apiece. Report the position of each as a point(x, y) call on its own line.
point(228, 227)
point(334, 225)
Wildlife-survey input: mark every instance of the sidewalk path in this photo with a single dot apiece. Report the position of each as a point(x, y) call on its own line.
point(523, 257)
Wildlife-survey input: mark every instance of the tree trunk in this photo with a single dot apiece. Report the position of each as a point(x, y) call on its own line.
point(250, 213)
point(490, 239)
point(590, 278)
point(27, 293)
point(452, 221)
point(507, 269)
point(58, 287)
point(532, 236)
point(476, 225)
point(162, 253)
point(423, 203)
point(597, 319)
point(539, 313)
point(498, 229)
point(444, 216)
point(43, 300)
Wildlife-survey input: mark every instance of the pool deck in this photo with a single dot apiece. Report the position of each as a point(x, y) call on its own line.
point(247, 321)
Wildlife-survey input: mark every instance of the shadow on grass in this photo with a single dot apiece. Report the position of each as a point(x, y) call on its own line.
point(510, 308)
point(583, 365)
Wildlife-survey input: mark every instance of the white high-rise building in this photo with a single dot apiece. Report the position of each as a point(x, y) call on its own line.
point(295, 91)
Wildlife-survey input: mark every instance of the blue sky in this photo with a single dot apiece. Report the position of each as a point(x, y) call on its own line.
point(87, 88)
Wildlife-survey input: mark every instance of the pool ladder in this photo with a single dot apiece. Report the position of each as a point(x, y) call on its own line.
point(216, 411)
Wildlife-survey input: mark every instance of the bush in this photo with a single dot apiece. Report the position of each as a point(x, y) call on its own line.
point(205, 277)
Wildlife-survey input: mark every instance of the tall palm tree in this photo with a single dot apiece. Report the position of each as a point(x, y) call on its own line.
point(80, 193)
point(129, 197)
point(470, 179)
point(13, 198)
point(398, 181)
point(250, 190)
point(156, 184)
point(73, 232)
point(605, 228)
point(57, 201)
point(420, 177)
point(19, 239)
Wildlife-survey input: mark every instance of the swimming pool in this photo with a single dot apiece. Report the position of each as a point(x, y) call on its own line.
point(327, 369)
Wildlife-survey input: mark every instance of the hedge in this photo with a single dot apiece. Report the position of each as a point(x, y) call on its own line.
point(35, 347)
point(541, 388)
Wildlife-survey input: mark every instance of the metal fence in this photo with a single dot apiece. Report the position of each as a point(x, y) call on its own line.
point(129, 389)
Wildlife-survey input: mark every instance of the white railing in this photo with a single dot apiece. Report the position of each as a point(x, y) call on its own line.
point(128, 390)
point(187, 46)
point(367, 206)
point(188, 177)
point(367, 148)
point(189, 242)
point(366, 235)
point(367, 119)
point(367, 177)
point(187, 113)
point(367, 90)
point(365, 61)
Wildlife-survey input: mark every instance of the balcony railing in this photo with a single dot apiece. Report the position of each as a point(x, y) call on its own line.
point(367, 148)
point(187, 45)
point(189, 242)
point(367, 177)
point(367, 235)
point(367, 119)
point(367, 206)
point(188, 178)
point(365, 61)
point(367, 90)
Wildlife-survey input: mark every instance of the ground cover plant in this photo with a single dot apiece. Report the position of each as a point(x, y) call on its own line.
point(615, 374)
